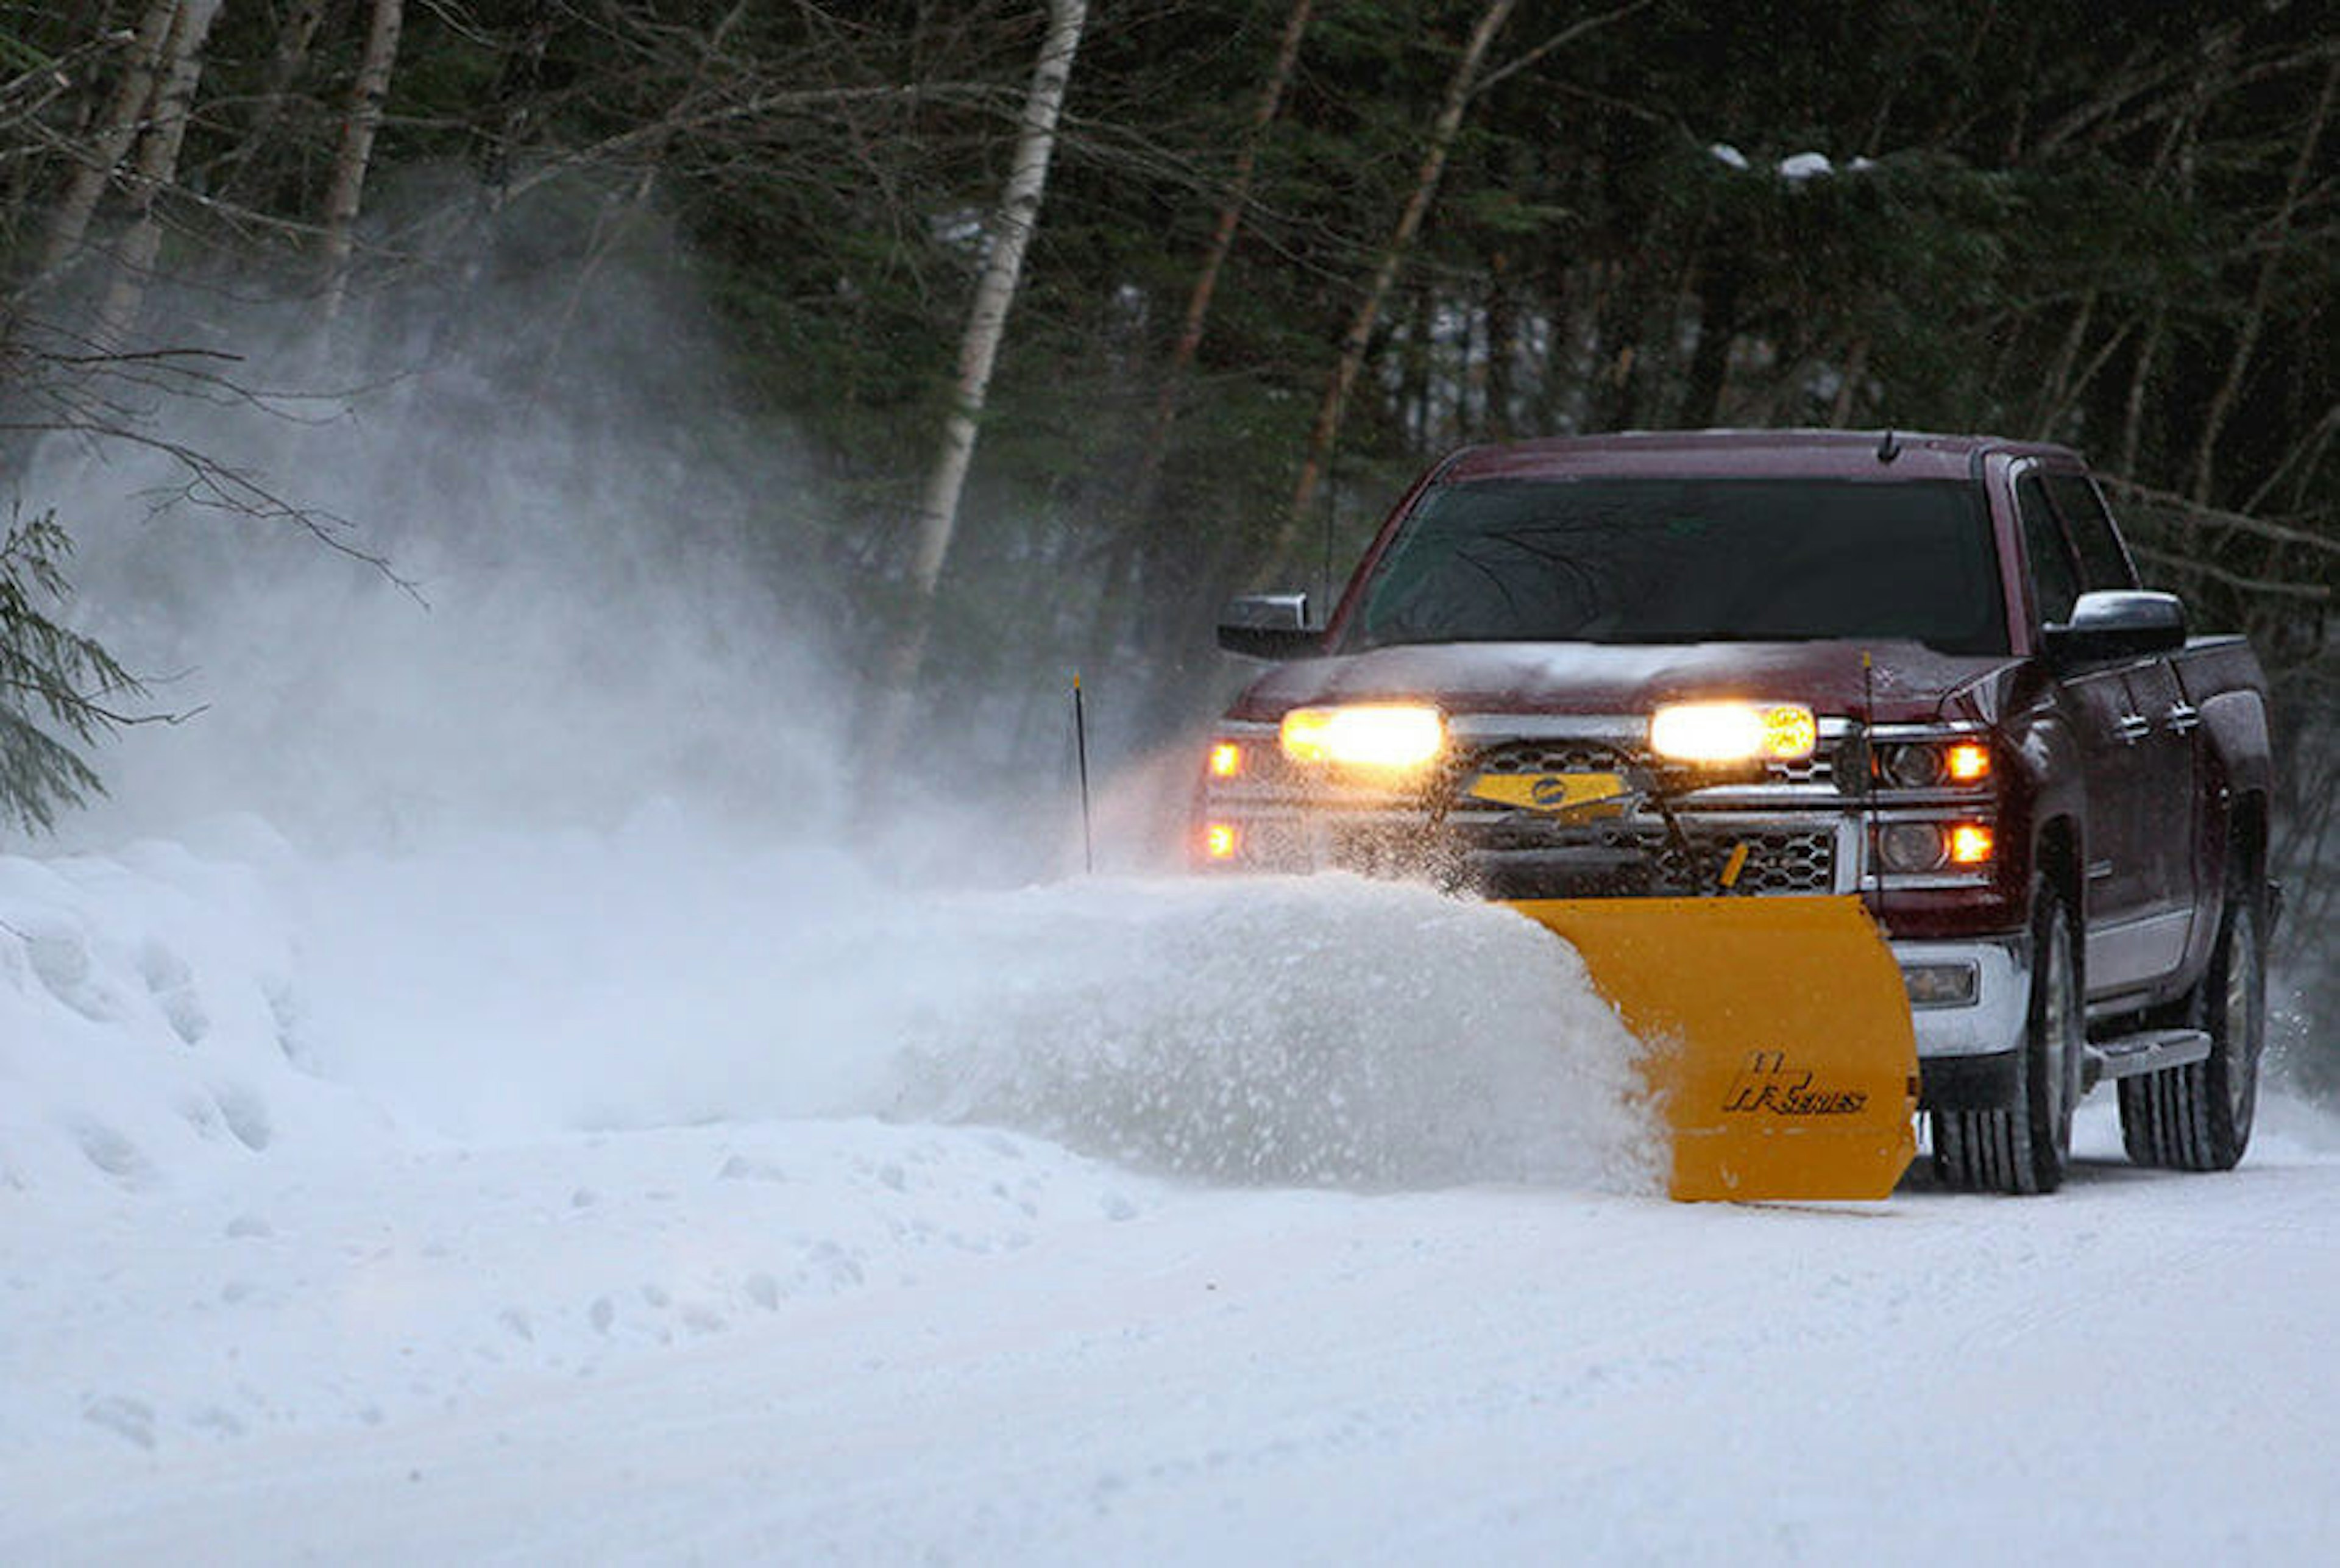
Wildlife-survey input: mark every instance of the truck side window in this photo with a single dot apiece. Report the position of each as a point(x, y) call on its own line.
point(2103, 564)
point(2054, 583)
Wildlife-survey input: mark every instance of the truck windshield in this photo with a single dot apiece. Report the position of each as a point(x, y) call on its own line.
point(1658, 560)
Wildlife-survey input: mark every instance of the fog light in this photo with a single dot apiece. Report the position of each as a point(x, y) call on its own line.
point(1910, 846)
point(1941, 984)
point(1220, 841)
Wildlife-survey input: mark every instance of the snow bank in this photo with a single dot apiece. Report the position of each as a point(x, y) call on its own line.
point(148, 1023)
point(164, 1011)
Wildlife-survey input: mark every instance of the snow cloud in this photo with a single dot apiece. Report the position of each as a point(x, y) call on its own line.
point(609, 601)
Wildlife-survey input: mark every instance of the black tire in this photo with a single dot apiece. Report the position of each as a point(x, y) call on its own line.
point(2198, 1117)
point(2025, 1147)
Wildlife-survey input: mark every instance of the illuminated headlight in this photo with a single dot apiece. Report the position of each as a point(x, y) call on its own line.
point(1391, 737)
point(1734, 732)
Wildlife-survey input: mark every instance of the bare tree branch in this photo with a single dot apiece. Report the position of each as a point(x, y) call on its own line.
point(2218, 517)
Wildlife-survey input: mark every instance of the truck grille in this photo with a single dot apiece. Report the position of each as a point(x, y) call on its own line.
point(1548, 757)
point(1441, 834)
point(1779, 861)
point(1531, 757)
point(1524, 856)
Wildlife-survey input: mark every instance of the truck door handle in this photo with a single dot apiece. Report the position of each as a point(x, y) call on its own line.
point(2183, 717)
point(2132, 728)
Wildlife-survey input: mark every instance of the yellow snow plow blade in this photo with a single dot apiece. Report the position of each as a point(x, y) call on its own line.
point(1780, 1053)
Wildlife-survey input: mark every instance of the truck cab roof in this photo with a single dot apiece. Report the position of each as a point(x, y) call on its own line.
point(1859, 455)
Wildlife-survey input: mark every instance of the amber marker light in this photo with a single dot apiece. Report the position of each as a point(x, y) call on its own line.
point(1226, 759)
point(1967, 762)
point(1391, 737)
point(1220, 841)
point(1733, 732)
point(1790, 733)
point(1970, 844)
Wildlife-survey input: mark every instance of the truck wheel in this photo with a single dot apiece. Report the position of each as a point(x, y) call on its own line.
point(2198, 1117)
point(2024, 1147)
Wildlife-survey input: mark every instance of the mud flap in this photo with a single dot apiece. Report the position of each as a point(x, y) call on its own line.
point(1779, 1048)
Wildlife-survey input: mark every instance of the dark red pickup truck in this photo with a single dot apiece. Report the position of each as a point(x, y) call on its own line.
point(1915, 667)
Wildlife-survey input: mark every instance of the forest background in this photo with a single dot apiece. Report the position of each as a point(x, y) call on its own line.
point(1281, 254)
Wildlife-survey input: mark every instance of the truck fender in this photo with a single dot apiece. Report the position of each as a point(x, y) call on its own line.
point(2236, 743)
point(2054, 801)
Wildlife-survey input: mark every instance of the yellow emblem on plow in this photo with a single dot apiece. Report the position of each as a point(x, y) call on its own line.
point(1558, 793)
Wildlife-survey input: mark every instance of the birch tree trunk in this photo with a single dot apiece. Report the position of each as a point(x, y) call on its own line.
point(1345, 369)
point(348, 188)
point(115, 131)
point(1010, 233)
point(157, 165)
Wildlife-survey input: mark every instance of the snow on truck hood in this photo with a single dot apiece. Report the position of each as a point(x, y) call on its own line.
point(1908, 680)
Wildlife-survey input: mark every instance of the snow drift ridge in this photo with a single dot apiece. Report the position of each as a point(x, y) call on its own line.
point(512, 987)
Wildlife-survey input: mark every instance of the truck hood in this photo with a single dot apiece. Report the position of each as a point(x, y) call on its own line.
point(1907, 682)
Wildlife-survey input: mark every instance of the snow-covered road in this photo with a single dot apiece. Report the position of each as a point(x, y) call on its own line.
point(312, 1245)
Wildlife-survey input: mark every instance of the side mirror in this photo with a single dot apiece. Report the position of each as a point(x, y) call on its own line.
point(2118, 624)
point(1268, 626)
